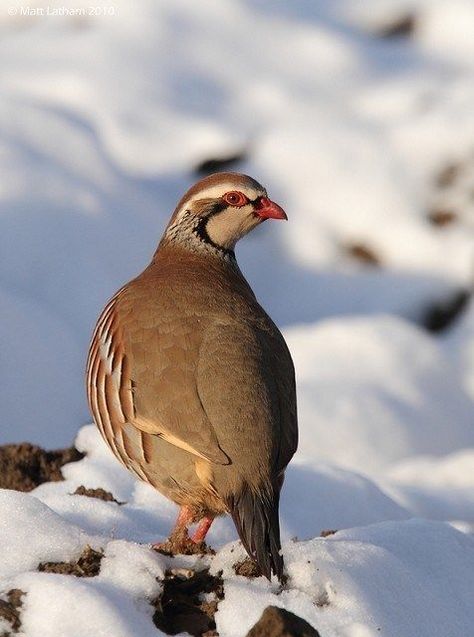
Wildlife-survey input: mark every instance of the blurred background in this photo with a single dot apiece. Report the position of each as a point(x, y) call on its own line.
point(358, 117)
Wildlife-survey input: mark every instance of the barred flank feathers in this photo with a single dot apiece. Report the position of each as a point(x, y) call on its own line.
point(256, 518)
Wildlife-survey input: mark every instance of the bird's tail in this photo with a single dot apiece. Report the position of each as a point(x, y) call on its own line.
point(255, 515)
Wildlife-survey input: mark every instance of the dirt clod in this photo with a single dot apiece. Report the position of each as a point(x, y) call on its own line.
point(442, 217)
point(182, 606)
point(25, 466)
point(278, 622)
point(247, 568)
point(99, 494)
point(87, 565)
point(403, 26)
point(218, 164)
point(362, 253)
point(448, 175)
point(10, 609)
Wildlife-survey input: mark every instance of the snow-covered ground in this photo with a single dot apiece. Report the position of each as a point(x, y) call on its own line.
point(386, 571)
point(368, 143)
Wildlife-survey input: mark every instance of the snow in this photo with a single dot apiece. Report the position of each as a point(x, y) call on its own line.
point(373, 391)
point(459, 345)
point(33, 533)
point(336, 498)
point(360, 581)
point(437, 488)
point(348, 131)
point(62, 605)
point(102, 121)
point(382, 569)
point(340, 585)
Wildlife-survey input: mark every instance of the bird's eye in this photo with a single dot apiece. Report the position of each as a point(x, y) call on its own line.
point(235, 198)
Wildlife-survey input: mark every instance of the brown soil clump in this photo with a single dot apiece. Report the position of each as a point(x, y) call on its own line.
point(87, 565)
point(181, 607)
point(278, 622)
point(99, 494)
point(218, 164)
point(24, 466)
point(442, 217)
point(247, 568)
point(10, 609)
point(362, 253)
point(404, 26)
point(448, 175)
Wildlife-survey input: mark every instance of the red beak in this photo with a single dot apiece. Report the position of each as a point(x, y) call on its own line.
point(269, 209)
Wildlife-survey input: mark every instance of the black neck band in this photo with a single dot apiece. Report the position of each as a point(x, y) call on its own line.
point(200, 231)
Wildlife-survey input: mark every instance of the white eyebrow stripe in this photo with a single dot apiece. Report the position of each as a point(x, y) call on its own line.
point(217, 191)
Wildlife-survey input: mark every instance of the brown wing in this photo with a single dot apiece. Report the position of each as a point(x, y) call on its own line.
point(108, 381)
point(142, 373)
point(246, 384)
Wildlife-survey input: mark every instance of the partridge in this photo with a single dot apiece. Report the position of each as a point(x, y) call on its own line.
point(190, 382)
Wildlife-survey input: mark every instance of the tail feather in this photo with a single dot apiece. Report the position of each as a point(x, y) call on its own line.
point(255, 516)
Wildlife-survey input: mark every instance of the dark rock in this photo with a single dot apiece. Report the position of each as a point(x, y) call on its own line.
point(441, 315)
point(278, 622)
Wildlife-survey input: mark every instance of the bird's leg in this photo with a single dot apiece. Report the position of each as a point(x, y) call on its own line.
point(185, 518)
point(203, 527)
point(179, 540)
point(179, 534)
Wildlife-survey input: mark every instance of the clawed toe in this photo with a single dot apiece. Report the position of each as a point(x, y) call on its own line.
point(179, 541)
point(181, 546)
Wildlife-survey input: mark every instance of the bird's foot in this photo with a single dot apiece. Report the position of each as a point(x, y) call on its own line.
point(182, 546)
point(179, 541)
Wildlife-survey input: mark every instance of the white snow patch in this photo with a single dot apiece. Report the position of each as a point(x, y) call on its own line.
point(347, 130)
point(409, 578)
point(373, 391)
point(32, 533)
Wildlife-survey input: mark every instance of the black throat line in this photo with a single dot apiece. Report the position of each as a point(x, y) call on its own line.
point(200, 230)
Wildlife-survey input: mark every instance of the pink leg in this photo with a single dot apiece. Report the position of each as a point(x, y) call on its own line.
point(180, 529)
point(203, 527)
point(185, 518)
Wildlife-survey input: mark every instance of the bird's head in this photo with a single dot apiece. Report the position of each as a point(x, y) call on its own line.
point(218, 210)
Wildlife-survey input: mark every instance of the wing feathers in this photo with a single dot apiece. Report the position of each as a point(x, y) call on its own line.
point(152, 427)
point(111, 393)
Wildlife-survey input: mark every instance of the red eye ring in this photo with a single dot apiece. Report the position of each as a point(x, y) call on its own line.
point(235, 198)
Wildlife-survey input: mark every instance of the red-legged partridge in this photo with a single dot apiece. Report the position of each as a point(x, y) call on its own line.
point(191, 383)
